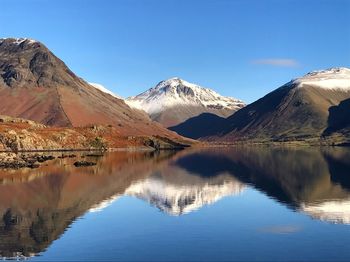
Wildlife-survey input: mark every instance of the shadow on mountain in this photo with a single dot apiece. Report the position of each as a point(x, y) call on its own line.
point(204, 125)
point(338, 117)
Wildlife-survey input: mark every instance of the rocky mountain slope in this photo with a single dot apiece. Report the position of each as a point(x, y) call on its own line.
point(36, 85)
point(299, 110)
point(173, 101)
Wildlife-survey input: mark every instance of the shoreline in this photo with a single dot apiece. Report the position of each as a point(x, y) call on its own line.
point(202, 145)
point(94, 150)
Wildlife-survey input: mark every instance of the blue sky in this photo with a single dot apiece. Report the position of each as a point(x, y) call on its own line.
point(240, 48)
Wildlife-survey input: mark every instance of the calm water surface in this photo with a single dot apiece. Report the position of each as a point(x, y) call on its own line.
point(214, 204)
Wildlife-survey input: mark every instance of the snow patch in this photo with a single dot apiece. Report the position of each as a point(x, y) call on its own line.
point(335, 211)
point(104, 204)
point(337, 78)
point(18, 41)
point(104, 90)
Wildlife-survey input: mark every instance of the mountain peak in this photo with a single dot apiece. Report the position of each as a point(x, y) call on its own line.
point(173, 79)
point(18, 41)
point(28, 63)
point(185, 98)
point(330, 71)
point(173, 83)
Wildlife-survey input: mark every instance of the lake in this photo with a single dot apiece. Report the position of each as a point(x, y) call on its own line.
point(244, 203)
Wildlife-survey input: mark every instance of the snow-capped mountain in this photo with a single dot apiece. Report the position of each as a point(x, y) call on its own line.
point(104, 90)
point(300, 109)
point(182, 199)
point(173, 101)
point(337, 78)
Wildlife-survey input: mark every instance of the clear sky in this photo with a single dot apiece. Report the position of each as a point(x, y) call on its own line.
point(240, 48)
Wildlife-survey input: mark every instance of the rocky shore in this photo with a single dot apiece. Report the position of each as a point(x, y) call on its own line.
point(15, 161)
point(84, 163)
point(12, 160)
point(19, 135)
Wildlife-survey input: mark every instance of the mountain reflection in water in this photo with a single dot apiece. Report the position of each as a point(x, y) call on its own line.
point(37, 206)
